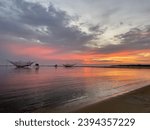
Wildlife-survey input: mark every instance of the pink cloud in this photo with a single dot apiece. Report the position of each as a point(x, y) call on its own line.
point(36, 51)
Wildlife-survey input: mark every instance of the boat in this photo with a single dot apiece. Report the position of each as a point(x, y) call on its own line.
point(21, 64)
point(55, 65)
point(37, 66)
point(68, 65)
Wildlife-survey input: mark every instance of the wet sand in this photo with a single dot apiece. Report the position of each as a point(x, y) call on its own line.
point(137, 101)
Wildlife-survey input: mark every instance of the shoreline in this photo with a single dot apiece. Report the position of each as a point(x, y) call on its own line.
point(136, 101)
point(98, 66)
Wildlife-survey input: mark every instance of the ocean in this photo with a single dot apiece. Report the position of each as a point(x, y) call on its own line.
point(48, 89)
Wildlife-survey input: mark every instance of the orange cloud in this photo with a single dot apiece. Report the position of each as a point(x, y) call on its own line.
point(125, 57)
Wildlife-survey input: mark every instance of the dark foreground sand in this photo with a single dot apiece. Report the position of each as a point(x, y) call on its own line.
point(135, 101)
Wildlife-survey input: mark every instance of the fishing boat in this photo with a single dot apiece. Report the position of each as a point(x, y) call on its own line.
point(68, 65)
point(37, 66)
point(21, 64)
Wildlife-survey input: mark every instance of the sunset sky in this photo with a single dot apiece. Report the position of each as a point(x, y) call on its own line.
point(75, 31)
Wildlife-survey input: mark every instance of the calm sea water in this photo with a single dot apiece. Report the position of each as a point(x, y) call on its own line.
point(64, 89)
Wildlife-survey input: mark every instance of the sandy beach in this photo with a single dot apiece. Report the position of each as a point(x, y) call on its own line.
point(137, 101)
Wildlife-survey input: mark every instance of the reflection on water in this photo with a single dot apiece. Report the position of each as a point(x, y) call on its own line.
point(61, 89)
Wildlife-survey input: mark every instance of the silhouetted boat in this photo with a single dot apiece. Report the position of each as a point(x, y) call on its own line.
point(37, 66)
point(21, 64)
point(55, 65)
point(68, 65)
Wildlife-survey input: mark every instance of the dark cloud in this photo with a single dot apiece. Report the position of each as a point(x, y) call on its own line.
point(94, 28)
point(135, 39)
point(14, 28)
point(36, 15)
point(97, 29)
point(30, 17)
point(1, 4)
